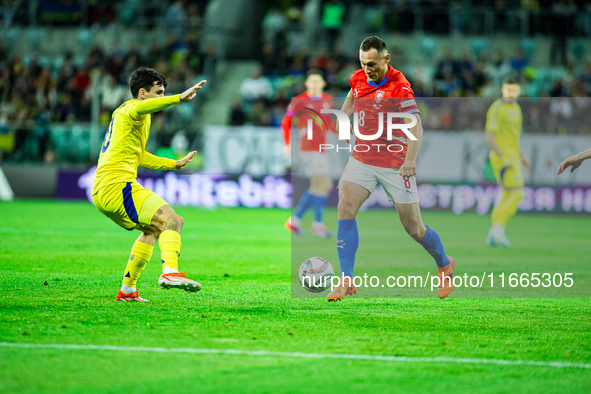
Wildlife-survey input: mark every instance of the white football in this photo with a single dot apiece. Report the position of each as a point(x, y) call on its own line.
point(315, 274)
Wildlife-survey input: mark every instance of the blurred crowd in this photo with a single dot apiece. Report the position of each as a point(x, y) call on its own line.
point(93, 13)
point(477, 72)
point(36, 92)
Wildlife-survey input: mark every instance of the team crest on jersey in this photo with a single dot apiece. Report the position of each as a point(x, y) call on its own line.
point(379, 95)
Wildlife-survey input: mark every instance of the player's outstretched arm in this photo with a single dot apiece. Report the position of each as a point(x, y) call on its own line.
point(185, 160)
point(574, 161)
point(188, 94)
point(154, 162)
point(151, 105)
point(409, 168)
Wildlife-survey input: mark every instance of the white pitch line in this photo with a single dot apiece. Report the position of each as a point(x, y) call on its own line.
point(458, 360)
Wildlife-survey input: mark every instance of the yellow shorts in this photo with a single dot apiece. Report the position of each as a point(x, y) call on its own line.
point(130, 205)
point(511, 177)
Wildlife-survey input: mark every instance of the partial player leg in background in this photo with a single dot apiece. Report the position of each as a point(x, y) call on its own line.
point(314, 166)
point(294, 223)
point(501, 214)
point(510, 180)
point(320, 188)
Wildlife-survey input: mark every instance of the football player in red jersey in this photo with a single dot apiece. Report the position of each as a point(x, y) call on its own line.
point(314, 163)
point(378, 87)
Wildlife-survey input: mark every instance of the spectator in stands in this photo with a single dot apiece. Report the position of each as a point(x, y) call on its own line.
point(519, 62)
point(176, 18)
point(42, 88)
point(273, 26)
point(321, 60)
point(559, 89)
point(333, 17)
point(194, 18)
point(298, 67)
point(115, 67)
point(237, 115)
point(447, 66)
point(295, 39)
point(270, 61)
point(258, 114)
point(563, 12)
point(209, 60)
point(112, 94)
point(3, 54)
point(81, 81)
point(499, 69)
point(585, 77)
point(256, 87)
point(66, 109)
point(82, 109)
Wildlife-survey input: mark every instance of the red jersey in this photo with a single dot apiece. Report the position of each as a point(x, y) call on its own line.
point(301, 107)
point(391, 94)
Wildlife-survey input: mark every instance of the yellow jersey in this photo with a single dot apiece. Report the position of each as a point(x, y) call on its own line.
point(124, 147)
point(505, 120)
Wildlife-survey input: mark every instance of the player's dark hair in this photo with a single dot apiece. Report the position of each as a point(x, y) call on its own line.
point(314, 71)
point(374, 42)
point(510, 81)
point(144, 77)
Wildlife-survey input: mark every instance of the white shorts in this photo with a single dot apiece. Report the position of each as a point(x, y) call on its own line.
point(313, 164)
point(400, 190)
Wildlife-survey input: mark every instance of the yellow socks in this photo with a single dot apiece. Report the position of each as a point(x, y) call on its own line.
point(170, 250)
point(510, 206)
point(140, 255)
point(503, 212)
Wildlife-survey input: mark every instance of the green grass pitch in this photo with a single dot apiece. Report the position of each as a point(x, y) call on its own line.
point(62, 262)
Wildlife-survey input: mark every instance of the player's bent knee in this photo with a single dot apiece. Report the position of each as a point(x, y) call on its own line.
point(416, 235)
point(174, 222)
point(162, 216)
point(414, 230)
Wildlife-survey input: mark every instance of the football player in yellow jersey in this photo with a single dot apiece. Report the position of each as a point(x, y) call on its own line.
point(503, 129)
point(117, 194)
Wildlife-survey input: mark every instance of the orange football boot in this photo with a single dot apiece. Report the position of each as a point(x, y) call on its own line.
point(178, 280)
point(447, 285)
point(345, 287)
point(121, 296)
